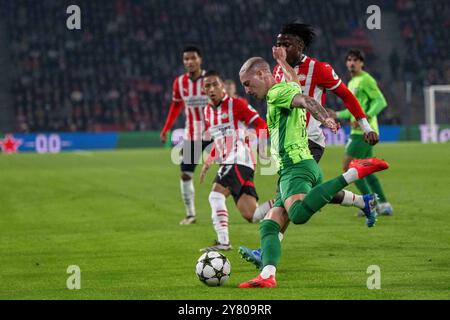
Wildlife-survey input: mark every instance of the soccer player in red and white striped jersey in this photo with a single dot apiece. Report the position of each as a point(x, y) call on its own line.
point(227, 120)
point(187, 93)
point(316, 78)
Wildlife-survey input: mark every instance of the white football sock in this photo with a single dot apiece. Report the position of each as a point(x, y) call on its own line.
point(352, 200)
point(262, 210)
point(351, 175)
point(188, 194)
point(268, 271)
point(219, 216)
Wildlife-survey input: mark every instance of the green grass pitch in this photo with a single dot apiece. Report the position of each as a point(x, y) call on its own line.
point(115, 215)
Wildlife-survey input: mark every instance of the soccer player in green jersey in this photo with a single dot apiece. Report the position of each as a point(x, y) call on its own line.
point(372, 101)
point(301, 191)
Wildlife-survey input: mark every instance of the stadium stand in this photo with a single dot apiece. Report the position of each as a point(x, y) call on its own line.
point(116, 72)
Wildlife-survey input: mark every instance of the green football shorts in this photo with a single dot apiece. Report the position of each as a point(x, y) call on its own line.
point(298, 178)
point(358, 148)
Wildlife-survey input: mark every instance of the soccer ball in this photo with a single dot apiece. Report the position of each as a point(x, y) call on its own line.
point(213, 268)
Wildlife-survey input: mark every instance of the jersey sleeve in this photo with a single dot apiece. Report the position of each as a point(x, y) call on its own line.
point(245, 112)
point(176, 97)
point(326, 77)
point(377, 100)
point(282, 95)
point(206, 133)
point(372, 90)
point(206, 119)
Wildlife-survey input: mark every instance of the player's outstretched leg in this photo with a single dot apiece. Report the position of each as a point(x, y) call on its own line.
point(368, 208)
point(301, 211)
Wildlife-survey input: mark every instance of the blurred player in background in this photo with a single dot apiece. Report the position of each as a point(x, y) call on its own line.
point(227, 120)
point(301, 191)
point(187, 92)
point(316, 78)
point(230, 88)
point(371, 99)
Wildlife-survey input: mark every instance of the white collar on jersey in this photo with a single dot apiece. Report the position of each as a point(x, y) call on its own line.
point(220, 103)
point(302, 60)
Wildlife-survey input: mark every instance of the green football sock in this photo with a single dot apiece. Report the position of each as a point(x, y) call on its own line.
point(270, 243)
point(363, 186)
point(375, 185)
point(301, 211)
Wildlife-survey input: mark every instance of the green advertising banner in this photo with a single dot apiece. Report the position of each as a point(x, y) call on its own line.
point(147, 139)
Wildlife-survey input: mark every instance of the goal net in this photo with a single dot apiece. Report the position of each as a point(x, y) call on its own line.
point(437, 105)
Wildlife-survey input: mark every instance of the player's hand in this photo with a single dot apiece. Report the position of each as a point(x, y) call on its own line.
point(279, 53)
point(163, 136)
point(203, 172)
point(371, 138)
point(331, 124)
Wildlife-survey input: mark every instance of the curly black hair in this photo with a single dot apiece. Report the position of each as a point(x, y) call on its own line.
point(304, 31)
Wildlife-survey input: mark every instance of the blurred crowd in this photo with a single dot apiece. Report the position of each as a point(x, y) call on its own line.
point(425, 27)
point(116, 72)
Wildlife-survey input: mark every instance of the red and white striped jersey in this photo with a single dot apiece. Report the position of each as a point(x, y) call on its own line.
point(315, 78)
point(195, 100)
point(227, 124)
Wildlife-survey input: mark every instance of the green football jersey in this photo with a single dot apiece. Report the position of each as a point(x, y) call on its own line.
point(369, 96)
point(287, 125)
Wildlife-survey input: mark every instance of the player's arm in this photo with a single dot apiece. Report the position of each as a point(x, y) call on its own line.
point(377, 101)
point(354, 108)
point(175, 108)
point(279, 54)
point(209, 161)
point(316, 110)
point(212, 154)
point(328, 79)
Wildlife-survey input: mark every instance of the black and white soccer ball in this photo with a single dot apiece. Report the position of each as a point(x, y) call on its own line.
point(213, 268)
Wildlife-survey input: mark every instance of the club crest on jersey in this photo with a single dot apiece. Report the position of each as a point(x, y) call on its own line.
point(302, 77)
point(224, 116)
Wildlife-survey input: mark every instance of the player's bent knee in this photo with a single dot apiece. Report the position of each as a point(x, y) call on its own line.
point(186, 175)
point(299, 213)
point(247, 215)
